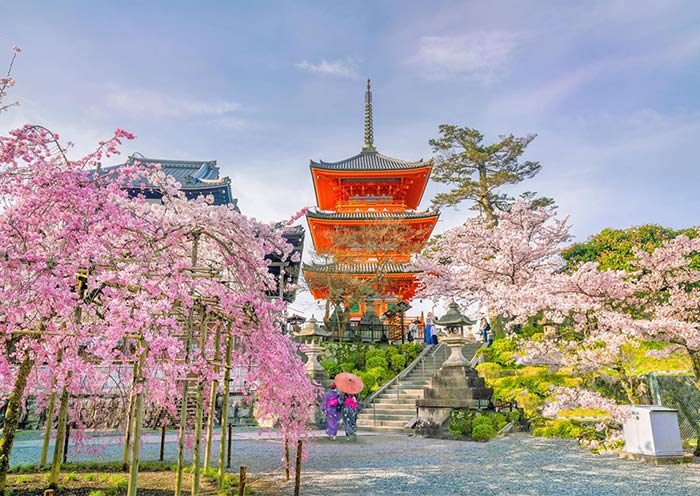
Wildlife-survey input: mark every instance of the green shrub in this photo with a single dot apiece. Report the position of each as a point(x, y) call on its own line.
point(347, 367)
point(376, 361)
point(514, 416)
point(498, 420)
point(374, 352)
point(483, 431)
point(70, 476)
point(391, 351)
point(481, 420)
point(331, 366)
point(97, 493)
point(460, 423)
point(22, 479)
point(398, 362)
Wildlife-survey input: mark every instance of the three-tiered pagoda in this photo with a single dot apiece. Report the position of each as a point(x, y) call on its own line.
point(368, 224)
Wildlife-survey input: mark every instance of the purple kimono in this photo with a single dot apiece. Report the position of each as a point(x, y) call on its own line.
point(331, 409)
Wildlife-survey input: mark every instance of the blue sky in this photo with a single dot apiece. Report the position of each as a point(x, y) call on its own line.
point(611, 89)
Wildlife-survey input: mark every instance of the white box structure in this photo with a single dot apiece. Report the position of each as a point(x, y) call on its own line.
point(652, 430)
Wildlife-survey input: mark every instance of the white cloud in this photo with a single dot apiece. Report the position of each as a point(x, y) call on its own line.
point(482, 56)
point(344, 68)
point(157, 104)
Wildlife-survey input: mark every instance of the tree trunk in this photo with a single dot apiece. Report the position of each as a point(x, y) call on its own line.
point(695, 359)
point(212, 398)
point(136, 429)
point(196, 457)
point(60, 439)
point(50, 410)
point(129, 422)
point(224, 405)
point(14, 409)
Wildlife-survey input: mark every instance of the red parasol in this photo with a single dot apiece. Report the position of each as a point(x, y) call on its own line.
point(348, 383)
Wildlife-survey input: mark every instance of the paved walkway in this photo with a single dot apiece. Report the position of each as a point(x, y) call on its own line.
point(379, 464)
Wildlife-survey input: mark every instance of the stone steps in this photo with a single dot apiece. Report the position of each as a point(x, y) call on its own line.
point(396, 406)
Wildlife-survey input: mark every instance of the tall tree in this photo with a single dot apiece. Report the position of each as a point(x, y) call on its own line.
point(476, 170)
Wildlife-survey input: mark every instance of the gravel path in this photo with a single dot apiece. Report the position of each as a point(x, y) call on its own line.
point(515, 465)
point(377, 465)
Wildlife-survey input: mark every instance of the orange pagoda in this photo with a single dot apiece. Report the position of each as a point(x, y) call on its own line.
point(366, 226)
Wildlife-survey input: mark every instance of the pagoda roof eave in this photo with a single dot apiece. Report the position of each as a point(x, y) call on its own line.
point(373, 215)
point(360, 269)
point(369, 161)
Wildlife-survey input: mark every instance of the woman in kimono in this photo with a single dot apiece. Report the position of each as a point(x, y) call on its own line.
point(331, 409)
point(351, 407)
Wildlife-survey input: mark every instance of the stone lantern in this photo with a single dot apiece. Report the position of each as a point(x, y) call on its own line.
point(310, 336)
point(454, 321)
point(456, 384)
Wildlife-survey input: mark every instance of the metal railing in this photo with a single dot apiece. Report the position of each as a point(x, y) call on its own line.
point(373, 333)
point(428, 350)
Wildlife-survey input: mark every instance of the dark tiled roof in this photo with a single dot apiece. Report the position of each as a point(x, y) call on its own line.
point(361, 268)
point(368, 161)
point(195, 177)
point(189, 173)
point(316, 214)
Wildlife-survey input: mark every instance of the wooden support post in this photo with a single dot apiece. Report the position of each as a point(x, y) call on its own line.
point(212, 398)
point(50, 411)
point(242, 481)
point(185, 387)
point(138, 420)
point(224, 408)
point(297, 473)
point(162, 443)
point(196, 457)
point(129, 423)
point(60, 437)
point(65, 444)
point(286, 458)
point(228, 454)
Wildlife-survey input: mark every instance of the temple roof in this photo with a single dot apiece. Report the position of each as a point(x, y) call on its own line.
point(196, 178)
point(368, 160)
point(361, 268)
point(189, 173)
point(372, 215)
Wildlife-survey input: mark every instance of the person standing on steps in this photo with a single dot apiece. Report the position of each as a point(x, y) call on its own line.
point(331, 409)
point(413, 330)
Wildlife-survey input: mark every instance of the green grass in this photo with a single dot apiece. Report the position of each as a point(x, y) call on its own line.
point(70, 476)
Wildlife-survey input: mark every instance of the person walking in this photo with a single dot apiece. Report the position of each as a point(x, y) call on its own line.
point(351, 407)
point(485, 331)
point(429, 326)
point(331, 410)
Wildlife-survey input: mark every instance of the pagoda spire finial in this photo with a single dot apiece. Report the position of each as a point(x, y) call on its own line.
point(369, 129)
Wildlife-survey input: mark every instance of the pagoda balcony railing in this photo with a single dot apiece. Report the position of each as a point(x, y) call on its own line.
point(365, 203)
point(372, 333)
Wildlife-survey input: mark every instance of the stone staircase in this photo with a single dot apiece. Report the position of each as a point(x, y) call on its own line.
point(393, 407)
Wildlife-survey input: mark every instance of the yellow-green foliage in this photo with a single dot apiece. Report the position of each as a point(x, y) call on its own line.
point(489, 370)
point(559, 428)
point(70, 476)
point(528, 386)
point(641, 363)
point(583, 412)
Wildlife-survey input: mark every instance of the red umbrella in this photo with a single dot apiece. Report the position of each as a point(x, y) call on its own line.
point(348, 383)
